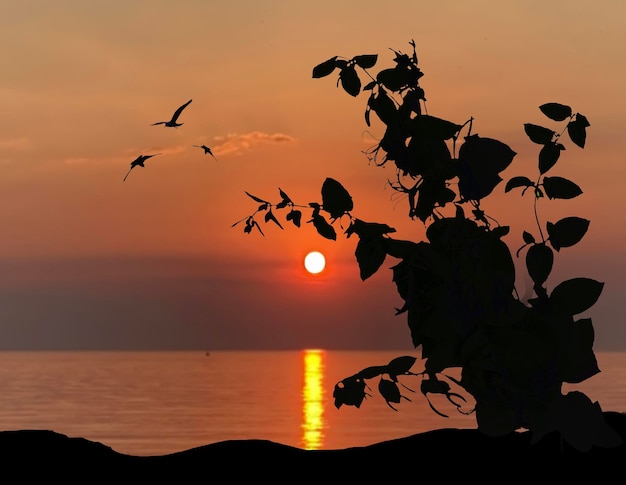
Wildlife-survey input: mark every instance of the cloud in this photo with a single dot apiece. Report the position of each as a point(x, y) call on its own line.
point(128, 155)
point(14, 143)
point(237, 144)
point(72, 161)
point(232, 143)
point(172, 150)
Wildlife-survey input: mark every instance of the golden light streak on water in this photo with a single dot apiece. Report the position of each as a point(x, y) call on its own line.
point(313, 424)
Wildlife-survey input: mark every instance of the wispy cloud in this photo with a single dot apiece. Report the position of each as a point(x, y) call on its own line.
point(237, 144)
point(75, 160)
point(128, 154)
point(171, 150)
point(230, 144)
point(21, 143)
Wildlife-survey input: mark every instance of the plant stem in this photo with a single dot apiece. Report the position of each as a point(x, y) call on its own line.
point(543, 239)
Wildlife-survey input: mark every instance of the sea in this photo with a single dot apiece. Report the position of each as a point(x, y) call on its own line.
point(149, 403)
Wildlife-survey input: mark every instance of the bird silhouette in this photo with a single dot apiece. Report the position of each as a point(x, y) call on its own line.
point(173, 122)
point(206, 150)
point(138, 162)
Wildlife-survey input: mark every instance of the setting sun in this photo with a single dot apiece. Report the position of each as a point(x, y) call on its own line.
point(314, 262)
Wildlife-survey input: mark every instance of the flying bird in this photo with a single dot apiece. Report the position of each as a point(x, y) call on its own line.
point(206, 150)
point(139, 161)
point(173, 122)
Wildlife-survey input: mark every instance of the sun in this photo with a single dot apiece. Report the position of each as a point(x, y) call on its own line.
point(314, 262)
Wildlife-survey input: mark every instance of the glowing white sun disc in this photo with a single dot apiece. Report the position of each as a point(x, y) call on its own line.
point(314, 262)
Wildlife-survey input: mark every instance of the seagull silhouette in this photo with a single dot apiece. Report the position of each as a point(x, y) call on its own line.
point(138, 161)
point(173, 123)
point(206, 150)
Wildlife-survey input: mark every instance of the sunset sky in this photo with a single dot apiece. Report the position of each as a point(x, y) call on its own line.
point(89, 261)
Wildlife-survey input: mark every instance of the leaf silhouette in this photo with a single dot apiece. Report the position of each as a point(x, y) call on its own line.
point(384, 107)
point(285, 200)
point(560, 188)
point(325, 68)
point(294, 216)
point(556, 111)
point(494, 154)
point(335, 198)
point(528, 237)
point(251, 224)
point(480, 162)
point(582, 424)
point(393, 78)
point(538, 134)
point(567, 231)
point(350, 391)
point(269, 216)
point(390, 392)
point(400, 365)
point(433, 127)
point(323, 228)
point(370, 255)
point(350, 80)
point(411, 101)
point(519, 181)
point(549, 155)
point(577, 361)
point(371, 372)
point(369, 86)
point(366, 61)
point(368, 229)
point(577, 130)
point(434, 386)
point(539, 261)
point(254, 197)
point(574, 296)
point(400, 249)
point(495, 420)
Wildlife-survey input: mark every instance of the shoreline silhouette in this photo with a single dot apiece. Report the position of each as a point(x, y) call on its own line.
point(467, 452)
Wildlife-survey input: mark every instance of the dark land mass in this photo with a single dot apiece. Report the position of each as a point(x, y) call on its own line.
point(443, 454)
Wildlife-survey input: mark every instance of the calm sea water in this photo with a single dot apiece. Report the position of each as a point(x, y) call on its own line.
point(154, 403)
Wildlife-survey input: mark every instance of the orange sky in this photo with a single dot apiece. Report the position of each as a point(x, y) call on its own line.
point(91, 261)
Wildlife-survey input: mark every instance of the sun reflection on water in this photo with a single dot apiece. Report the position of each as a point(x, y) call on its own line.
point(313, 400)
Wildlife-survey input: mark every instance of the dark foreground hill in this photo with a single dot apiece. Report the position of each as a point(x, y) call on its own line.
point(443, 455)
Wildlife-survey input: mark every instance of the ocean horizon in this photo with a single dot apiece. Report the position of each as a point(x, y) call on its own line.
point(161, 402)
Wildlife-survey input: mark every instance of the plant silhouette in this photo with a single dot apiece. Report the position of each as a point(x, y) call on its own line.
point(173, 123)
point(458, 286)
point(138, 162)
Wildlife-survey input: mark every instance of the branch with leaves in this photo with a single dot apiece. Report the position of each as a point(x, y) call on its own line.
point(458, 286)
point(351, 391)
point(294, 215)
point(335, 200)
point(374, 243)
point(567, 231)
